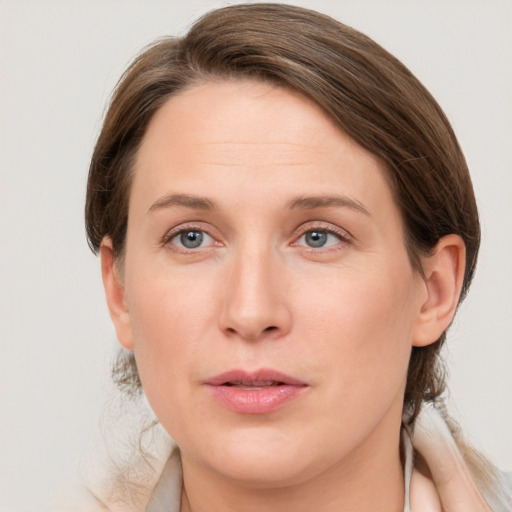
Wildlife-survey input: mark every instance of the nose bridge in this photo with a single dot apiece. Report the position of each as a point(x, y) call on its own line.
point(254, 303)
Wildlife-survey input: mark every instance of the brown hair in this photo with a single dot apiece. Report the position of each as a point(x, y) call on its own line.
point(369, 93)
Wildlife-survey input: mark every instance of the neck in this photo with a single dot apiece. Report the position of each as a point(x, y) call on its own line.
point(369, 479)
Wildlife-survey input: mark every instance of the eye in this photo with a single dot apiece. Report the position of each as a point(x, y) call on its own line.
point(318, 238)
point(322, 238)
point(191, 239)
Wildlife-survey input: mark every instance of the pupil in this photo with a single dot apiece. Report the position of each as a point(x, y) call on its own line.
point(191, 239)
point(316, 238)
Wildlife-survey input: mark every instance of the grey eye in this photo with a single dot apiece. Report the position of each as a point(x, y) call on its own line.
point(315, 238)
point(319, 238)
point(190, 239)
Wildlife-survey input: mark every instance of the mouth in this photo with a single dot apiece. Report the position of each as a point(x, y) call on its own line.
point(260, 392)
point(264, 377)
point(252, 385)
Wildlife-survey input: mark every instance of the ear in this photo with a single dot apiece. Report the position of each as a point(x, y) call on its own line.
point(443, 273)
point(115, 294)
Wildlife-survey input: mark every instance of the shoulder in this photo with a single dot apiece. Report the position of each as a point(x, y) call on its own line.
point(423, 494)
point(78, 499)
point(463, 479)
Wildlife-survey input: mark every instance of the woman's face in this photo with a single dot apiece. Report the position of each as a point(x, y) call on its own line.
point(269, 298)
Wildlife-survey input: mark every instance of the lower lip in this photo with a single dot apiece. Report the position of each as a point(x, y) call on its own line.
point(258, 400)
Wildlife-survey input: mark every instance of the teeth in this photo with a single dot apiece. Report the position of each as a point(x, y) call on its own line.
point(259, 383)
point(253, 383)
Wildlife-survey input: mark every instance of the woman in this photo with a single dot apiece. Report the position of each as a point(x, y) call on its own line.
point(286, 226)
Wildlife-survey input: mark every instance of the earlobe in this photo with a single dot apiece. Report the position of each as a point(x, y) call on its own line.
point(443, 277)
point(115, 294)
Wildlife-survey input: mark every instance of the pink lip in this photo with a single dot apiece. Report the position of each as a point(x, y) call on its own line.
point(259, 392)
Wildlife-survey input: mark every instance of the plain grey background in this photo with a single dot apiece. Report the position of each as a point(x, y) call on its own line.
point(59, 60)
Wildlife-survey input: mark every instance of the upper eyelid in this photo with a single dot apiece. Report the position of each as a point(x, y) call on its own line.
point(323, 226)
point(187, 226)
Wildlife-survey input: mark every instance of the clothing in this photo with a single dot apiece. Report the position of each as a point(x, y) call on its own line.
point(167, 493)
point(432, 436)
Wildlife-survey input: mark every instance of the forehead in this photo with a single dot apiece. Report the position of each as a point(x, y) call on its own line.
point(247, 113)
point(253, 136)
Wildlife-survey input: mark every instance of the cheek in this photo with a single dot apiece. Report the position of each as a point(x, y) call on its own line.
point(362, 330)
point(168, 319)
point(167, 306)
point(360, 352)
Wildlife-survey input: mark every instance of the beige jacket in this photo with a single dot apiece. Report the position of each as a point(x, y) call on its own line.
point(448, 488)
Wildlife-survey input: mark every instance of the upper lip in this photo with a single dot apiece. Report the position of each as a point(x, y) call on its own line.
point(260, 377)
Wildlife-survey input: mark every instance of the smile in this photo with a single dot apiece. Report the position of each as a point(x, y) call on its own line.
point(260, 392)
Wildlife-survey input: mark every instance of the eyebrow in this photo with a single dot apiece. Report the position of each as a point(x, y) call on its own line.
point(312, 202)
point(186, 200)
point(298, 203)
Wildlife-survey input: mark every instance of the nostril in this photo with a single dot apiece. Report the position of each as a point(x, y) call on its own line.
point(251, 333)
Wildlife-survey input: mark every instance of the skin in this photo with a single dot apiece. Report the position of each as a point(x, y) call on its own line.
point(342, 318)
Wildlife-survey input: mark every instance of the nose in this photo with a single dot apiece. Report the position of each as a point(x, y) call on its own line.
point(255, 304)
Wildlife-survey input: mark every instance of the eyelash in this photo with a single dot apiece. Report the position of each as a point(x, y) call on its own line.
point(343, 236)
point(175, 232)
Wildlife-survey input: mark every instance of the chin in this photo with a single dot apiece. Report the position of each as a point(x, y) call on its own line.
point(270, 459)
point(264, 473)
